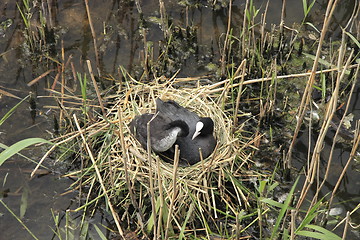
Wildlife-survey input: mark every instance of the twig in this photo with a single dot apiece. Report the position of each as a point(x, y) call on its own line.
point(98, 174)
point(242, 67)
point(308, 90)
point(215, 87)
point(93, 33)
point(226, 42)
point(161, 194)
point(9, 94)
point(32, 82)
point(62, 91)
point(335, 139)
point(314, 164)
point(351, 157)
point(346, 225)
point(345, 219)
point(143, 32)
point(244, 31)
point(174, 192)
point(292, 224)
point(262, 27)
point(96, 87)
point(282, 21)
point(152, 194)
point(126, 160)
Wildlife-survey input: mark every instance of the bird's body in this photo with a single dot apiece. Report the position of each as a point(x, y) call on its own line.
point(163, 131)
point(189, 148)
point(168, 128)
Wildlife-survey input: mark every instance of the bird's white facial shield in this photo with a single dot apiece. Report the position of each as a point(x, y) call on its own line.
point(199, 126)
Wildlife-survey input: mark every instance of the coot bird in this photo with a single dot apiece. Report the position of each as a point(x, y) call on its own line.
point(163, 131)
point(200, 132)
point(172, 125)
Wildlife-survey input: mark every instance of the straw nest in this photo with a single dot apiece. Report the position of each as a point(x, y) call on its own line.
point(180, 187)
point(204, 100)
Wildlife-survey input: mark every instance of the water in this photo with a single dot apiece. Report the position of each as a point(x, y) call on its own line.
point(115, 24)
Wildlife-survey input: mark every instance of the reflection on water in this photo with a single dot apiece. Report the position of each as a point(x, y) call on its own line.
point(116, 25)
point(42, 194)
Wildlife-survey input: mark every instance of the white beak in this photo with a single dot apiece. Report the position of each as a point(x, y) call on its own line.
point(199, 126)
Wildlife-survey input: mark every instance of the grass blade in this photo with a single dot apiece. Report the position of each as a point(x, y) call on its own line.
point(283, 210)
point(11, 111)
point(24, 202)
point(17, 147)
point(101, 234)
point(321, 233)
point(19, 220)
point(353, 39)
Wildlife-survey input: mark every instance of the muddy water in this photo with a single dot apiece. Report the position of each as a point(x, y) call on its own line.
point(115, 24)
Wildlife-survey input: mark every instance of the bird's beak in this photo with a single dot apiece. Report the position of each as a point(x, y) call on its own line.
point(197, 133)
point(198, 128)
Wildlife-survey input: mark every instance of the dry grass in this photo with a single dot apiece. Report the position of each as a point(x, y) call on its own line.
point(208, 197)
point(186, 200)
point(194, 184)
point(142, 100)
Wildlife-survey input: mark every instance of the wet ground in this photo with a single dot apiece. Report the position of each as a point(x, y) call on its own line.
point(115, 24)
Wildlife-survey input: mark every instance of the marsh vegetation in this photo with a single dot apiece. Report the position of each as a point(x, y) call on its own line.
point(270, 89)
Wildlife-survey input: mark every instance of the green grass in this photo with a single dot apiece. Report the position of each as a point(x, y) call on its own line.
point(231, 199)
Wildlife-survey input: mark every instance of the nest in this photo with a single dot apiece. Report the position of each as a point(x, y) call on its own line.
point(182, 188)
point(201, 100)
point(129, 175)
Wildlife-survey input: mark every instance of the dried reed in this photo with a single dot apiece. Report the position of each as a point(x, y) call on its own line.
point(180, 186)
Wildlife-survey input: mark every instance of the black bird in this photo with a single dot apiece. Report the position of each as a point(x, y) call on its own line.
point(200, 133)
point(172, 125)
point(163, 131)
